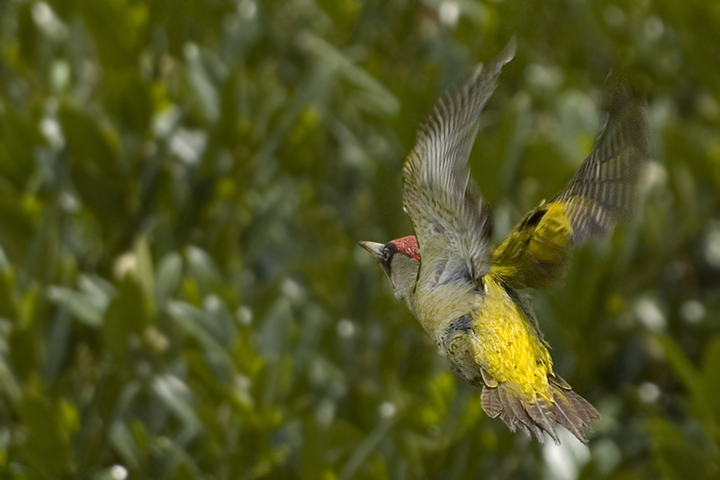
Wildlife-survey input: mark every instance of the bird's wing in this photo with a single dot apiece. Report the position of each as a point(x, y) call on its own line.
point(602, 191)
point(452, 225)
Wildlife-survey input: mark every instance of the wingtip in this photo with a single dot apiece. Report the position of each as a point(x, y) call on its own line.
point(508, 53)
point(502, 58)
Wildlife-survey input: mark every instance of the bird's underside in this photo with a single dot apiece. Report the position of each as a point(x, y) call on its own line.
point(502, 351)
point(469, 295)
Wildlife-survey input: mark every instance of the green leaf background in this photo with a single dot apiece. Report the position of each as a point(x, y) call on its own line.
point(182, 187)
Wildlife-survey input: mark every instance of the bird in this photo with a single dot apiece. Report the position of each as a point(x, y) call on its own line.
point(472, 296)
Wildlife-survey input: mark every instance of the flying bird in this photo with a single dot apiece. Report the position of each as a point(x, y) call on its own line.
point(469, 294)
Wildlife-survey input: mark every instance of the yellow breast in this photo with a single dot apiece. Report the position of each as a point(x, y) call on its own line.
point(508, 345)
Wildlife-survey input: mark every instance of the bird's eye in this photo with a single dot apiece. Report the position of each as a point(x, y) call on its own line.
point(387, 252)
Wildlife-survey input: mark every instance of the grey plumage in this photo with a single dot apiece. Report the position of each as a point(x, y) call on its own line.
point(452, 227)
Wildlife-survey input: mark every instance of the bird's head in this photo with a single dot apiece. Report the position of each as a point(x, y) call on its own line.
point(400, 259)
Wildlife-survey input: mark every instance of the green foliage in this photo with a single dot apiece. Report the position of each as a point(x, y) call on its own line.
point(182, 186)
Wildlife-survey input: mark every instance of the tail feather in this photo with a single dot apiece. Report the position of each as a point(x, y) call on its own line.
point(535, 419)
point(543, 415)
point(491, 403)
point(515, 414)
point(569, 417)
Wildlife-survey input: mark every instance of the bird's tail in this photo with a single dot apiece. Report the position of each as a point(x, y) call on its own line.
point(566, 408)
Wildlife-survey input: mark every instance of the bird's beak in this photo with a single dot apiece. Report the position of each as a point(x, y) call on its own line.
point(373, 247)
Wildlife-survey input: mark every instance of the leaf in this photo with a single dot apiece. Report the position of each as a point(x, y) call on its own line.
point(198, 325)
point(144, 266)
point(202, 87)
point(50, 428)
point(126, 318)
point(57, 343)
point(374, 95)
point(25, 348)
point(202, 267)
point(711, 376)
point(8, 305)
point(175, 394)
point(680, 363)
point(122, 440)
point(200, 321)
point(689, 375)
point(88, 308)
point(96, 286)
point(168, 277)
point(95, 172)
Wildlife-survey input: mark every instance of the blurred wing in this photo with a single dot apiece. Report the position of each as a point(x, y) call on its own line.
point(603, 191)
point(453, 227)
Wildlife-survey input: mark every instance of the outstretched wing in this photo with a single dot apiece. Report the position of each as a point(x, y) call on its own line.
point(452, 226)
point(602, 191)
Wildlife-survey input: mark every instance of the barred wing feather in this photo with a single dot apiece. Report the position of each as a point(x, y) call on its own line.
point(451, 223)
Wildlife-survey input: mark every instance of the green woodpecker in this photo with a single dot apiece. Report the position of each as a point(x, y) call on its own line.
point(466, 293)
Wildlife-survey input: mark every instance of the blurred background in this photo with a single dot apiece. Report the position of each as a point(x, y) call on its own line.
point(182, 188)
